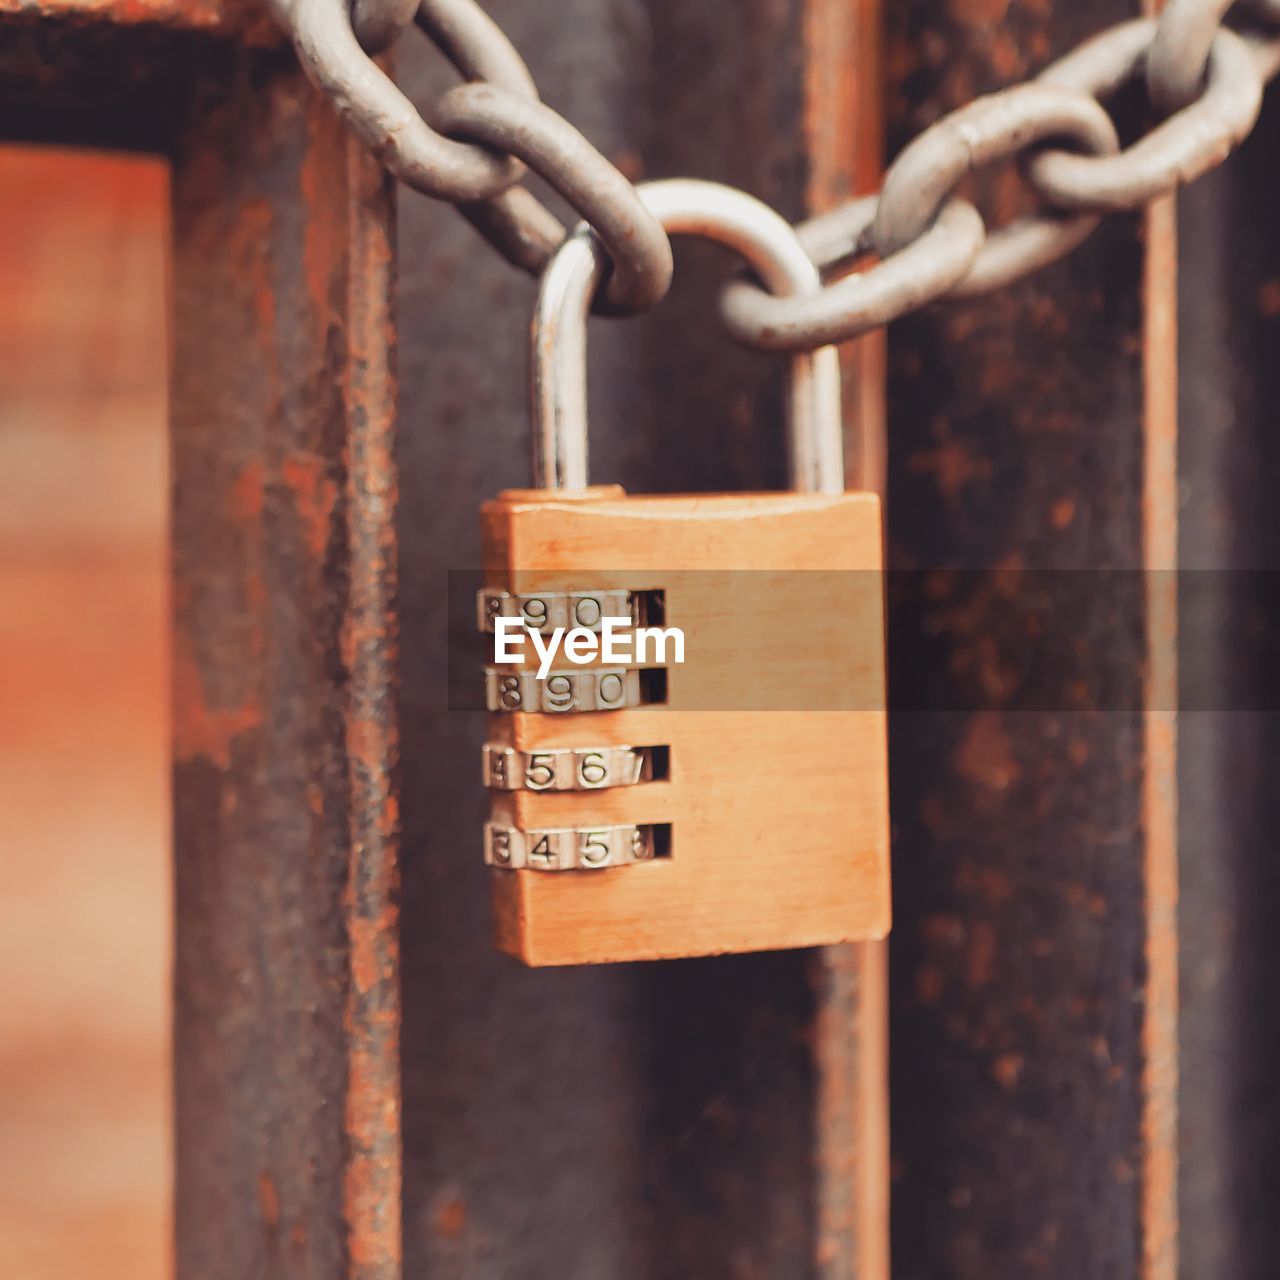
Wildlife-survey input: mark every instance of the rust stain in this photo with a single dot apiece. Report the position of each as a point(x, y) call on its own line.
point(356, 249)
point(1007, 1069)
point(451, 1217)
point(370, 961)
point(1269, 299)
point(978, 13)
point(980, 961)
point(985, 755)
point(242, 18)
point(930, 984)
point(307, 442)
point(952, 463)
point(372, 1183)
point(200, 729)
point(315, 497)
point(269, 1200)
point(248, 492)
point(1007, 58)
point(629, 163)
point(249, 239)
point(322, 247)
point(942, 932)
point(1160, 1066)
point(990, 883)
point(372, 1111)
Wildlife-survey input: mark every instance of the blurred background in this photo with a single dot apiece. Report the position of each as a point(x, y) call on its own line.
point(84, 912)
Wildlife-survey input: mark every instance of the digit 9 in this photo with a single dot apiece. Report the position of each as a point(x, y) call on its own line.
point(558, 694)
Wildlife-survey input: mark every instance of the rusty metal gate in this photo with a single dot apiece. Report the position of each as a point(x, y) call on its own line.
point(1080, 1068)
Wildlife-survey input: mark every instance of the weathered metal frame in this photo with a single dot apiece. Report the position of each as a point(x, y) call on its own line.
point(1034, 1128)
point(284, 661)
point(286, 982)
point(1034, 993)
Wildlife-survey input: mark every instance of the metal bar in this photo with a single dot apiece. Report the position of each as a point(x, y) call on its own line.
point(285, 820)
point(843, 132)
point(1158, 1206)
point(687, 1118)
point(1034, 1017)
point(1230, 1054)
point(242, 18)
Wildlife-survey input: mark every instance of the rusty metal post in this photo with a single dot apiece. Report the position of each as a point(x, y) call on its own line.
point(1034, 958)
point(286, 984)
point(1230, 385)
point(843, 121)
point(285, 812)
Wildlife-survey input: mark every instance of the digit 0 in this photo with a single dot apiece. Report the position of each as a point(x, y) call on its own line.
point(610, 690)
point(587, 612)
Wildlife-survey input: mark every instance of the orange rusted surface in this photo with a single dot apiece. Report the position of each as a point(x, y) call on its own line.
point(843, 131)
point(244, 18)
point(368, 642)
point(1032, 489)
point(315, 494)
point(1160, 1070)
point(844, 138)
point(202, 728)
point(285, 736)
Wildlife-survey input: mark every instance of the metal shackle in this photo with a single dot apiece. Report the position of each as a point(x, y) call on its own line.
point(558, 370)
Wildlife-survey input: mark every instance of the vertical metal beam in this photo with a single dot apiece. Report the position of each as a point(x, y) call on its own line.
point(1230, 1044)
point(1159, 763)
point(1034, 1015)
point(708, 1117)
point(843, 132)
point(285, 820)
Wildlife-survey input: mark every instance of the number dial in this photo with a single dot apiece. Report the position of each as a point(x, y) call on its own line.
point(566, 769)
point(550, 609)
point(567, 848)
point(589, 689)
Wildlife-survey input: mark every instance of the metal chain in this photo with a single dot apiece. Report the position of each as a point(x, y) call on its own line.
point(1204, 80)
point(483, 132)
point(1178, 150)
point(1074, 187)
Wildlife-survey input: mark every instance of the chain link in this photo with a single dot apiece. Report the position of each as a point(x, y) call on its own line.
point(1178, 150)
point(498, 125)
point(927, 267)
point(1074, 187)
point(1178, 60)
point(377, 23)
point(1204, 80)
point(558, 153)
point(1178, 57)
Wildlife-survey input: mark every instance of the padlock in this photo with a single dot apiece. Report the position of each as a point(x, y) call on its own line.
point(735, 801)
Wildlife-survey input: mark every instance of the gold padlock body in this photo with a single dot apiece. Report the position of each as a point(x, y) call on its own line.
point(777, 813)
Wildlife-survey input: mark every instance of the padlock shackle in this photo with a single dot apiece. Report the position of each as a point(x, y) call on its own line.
point(558, 369)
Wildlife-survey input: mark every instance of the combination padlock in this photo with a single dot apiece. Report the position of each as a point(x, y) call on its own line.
point(728, 793)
